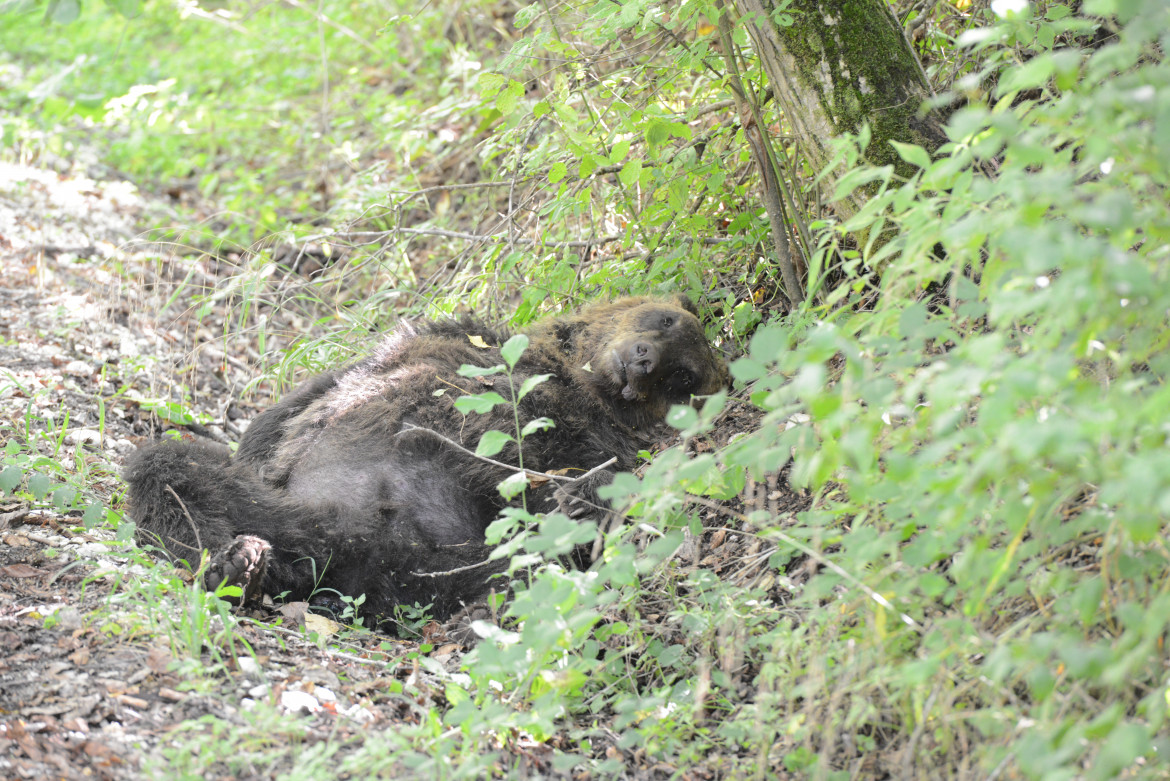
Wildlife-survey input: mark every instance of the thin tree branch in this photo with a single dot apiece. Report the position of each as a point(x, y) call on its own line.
point(531, 473)
point(754, 131)
point(186, 515)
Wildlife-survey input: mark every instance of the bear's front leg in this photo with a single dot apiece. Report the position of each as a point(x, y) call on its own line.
point(242, 563)
point(580, 500)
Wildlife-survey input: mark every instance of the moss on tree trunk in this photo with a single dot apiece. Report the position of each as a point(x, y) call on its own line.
point(839, 65)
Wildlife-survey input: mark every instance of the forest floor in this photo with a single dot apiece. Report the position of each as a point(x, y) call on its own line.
point(95, 339)
point(84, 356)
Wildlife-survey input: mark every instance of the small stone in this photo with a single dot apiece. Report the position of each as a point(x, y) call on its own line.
point(299, 702)
point(69, 618)
point(83, 436)
point(78, 369)
point(250, 667)
point(322, 676)
point(359, 714)
point(89, 550)
point(124, 446)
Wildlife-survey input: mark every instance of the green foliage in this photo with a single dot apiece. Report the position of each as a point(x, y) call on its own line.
point(986, 450)
point(988, 442)
point(492, 442)
point(47, 481)
point(263, 107)
point(635, 166)
point(974, 399)
point(281, 113)
point(158, 601)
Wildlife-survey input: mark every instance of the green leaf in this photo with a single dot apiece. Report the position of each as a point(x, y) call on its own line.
point(64, 497)
point(748, 369)
point(912, 321)
point(933, 584)
point(490, 83)
point(513, 486)
point(1086, 599)
point(657, 132)
point(744, 318)
point(619, 152)
point(1046, 35)
point(455, 694)
point(513, 349)
point(677, 193)
point(94, 514)
point(479, 402)
point(663, 547)
point(1125, 743)
point(509, 97)
point(506, 102)
point(537, 424)
point(126, 529)
point(557, 172)
point(530, 383)
point(467, 370)
point(171, 411)
point(127, 8)
point(721, 483)
point(10, 479)
point(1034, 73)
point(39, 485)
point(63, 11)
point(630, 173)
point(229, 592)
point(493, 442)
point(682, 416)
point(860, 177)
point(526, 15)
point(912, 154)
point(1102, 7)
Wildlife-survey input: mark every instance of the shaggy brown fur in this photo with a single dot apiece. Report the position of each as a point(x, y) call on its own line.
point(351, 478)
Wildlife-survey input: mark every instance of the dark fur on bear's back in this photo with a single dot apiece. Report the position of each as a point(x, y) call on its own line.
point(352, 477)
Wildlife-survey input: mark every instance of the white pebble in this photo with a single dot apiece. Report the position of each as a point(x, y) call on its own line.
point(299, 702)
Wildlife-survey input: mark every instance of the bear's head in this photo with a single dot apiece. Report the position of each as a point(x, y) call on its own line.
point(643, 355)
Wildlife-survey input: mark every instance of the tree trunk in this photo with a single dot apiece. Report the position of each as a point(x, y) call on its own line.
point(839, 65)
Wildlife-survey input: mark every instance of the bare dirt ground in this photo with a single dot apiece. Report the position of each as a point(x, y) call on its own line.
point(90, 353)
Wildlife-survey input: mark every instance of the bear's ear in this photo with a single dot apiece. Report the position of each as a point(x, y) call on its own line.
point(683, 300)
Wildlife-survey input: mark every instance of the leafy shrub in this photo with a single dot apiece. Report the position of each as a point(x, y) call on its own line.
point(987, 447)
point(989, 443)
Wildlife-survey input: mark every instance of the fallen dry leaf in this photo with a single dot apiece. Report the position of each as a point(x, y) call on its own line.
point(20, 570)
point(321, 625)
point(158, 659)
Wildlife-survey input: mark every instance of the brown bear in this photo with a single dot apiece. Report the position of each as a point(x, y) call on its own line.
point(364, 480)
